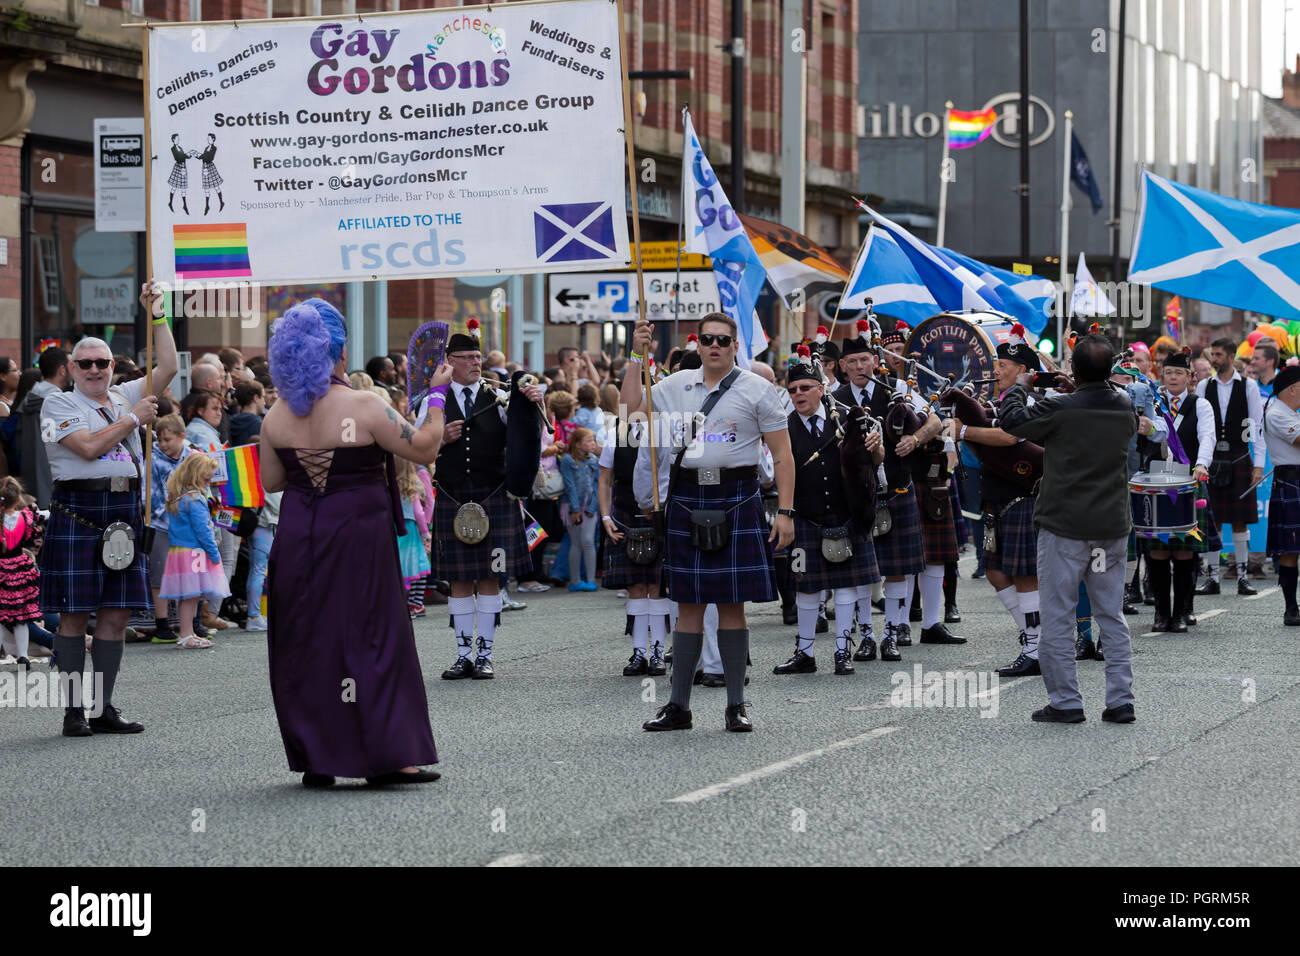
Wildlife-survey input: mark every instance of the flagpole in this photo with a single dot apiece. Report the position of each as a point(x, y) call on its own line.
point(943, 174)
point(636, 244)
point(681, 230)
point(1065, 227)
point(148, 272)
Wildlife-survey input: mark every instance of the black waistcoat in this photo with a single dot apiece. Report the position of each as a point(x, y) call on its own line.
point(478, 457)
point(1191, 407)
point(818, 486)
point(1230, 427)
point(625, 453)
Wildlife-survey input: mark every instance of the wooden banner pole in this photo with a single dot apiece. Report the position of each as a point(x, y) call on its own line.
point(148, 273)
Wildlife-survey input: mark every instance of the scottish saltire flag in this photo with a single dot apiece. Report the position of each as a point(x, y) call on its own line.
point(1228, 251)
point(967, 127)
point(1081, 172)
point(1028, 299)
point(884, 274)
point(712, 228)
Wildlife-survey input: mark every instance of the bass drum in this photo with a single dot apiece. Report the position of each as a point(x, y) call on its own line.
point(962, 347)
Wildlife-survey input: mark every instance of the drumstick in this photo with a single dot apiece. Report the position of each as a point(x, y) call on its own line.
point(1255, 484)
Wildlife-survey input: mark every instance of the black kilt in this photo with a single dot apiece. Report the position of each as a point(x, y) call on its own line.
point(902, 551)
point(742, 570)
point(1284, 516)
point(938, 535)
point(1017, 552)
point(73, 578)
point(620, 573)
point(819, 574)
point(1227, 507)
point(455, 561)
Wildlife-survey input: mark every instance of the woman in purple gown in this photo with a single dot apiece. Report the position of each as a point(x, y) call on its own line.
point(345, 677)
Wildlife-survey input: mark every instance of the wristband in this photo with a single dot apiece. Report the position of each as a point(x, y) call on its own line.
point(635, 359)
point(162, 321)
point(963, 433)
point(134, 418)
point(440, 389)
point(438, 401)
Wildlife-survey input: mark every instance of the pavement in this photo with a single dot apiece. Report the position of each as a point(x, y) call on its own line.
point(547, 764)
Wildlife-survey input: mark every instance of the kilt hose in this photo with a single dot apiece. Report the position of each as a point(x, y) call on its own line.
point(620, 573)
point(452, 560)
point(938, 535)
point(1017, 552)
point(739, 571)
point(901, 551)
point(1227, 507)
point(73, 578)
point(1284, 511)
point(817, 573)
point(1211, 541)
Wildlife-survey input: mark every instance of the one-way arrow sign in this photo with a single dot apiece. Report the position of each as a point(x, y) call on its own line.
point(564, 297)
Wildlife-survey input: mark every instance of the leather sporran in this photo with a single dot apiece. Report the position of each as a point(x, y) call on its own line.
point(117, 547)
point(549, 484)
point(836, 545)
point(471, 524)
point(709, 531)
point(1220, 474)
point(937, 503)
point(990, 534)
point(884, 520)
point(642, 546)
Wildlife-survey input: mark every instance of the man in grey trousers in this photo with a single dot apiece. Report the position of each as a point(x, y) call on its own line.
point(1083, 518)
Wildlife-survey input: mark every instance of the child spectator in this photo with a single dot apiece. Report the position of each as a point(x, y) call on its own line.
point(581, 470)
point(193, 570)
point(20, 595)
point(423, 507)
point(259, 555)
point(588, 415)
point(411, 547)
point(246, 424)
point(168, 452)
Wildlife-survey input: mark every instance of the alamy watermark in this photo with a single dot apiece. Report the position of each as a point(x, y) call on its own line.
point(945, 689)
point(51, 689)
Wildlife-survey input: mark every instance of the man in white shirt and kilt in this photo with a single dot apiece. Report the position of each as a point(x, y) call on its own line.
point(831, 551)
point(709, 429)
point(1282, 434)
point(470, 486)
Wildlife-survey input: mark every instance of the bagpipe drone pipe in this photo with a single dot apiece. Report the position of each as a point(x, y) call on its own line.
point(1021, 463)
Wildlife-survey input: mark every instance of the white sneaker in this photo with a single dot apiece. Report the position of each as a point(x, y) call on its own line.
point(510, 604)
point(255, 624)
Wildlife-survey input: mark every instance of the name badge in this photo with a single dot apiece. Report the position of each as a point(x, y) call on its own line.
point(1221, 446)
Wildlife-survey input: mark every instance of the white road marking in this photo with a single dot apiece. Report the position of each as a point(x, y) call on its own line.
point(1263, 594)
point(717, 789)
point(1212, 612)
point(515, 859)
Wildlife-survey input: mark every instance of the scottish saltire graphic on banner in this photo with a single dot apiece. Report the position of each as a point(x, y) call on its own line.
point(1028, 298)
point(884, 274)
point(712, 227)
point(1204, 246)
point(968, 127)
point(211, 250)
point(574, 231)
point(238, 478)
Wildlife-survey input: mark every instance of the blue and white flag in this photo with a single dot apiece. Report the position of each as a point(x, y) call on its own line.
point(1028, 299)
point(1081, 173)
point(713, 229)
point(884, 274)
point(1203, 246)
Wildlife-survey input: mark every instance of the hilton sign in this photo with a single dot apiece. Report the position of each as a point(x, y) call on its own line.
point(892, 121)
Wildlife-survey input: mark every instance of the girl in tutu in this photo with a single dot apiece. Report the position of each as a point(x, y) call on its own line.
point(193, 569)
point(413, 547)
point(20, 595)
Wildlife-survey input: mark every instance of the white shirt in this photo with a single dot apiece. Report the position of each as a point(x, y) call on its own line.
point(66, 412)
point(1281, 426)
point(1205, 434)
point(457, 395)
point(821, 423)
point(1254, 409)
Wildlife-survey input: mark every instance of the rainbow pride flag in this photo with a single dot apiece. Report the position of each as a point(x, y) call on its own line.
point(211, 250)
point(239, 483)
point(967, 128)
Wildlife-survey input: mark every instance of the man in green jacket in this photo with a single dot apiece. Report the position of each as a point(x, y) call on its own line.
point(1083, 518)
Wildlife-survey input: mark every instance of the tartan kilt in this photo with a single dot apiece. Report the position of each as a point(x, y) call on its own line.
point(620, 573)
point(179, 180)
point(1017, 552)
point(820, 574)
point(1284, 517)
point(73, 578)
point(959, 521)
point(211, 178)
point(1211, 540)
point(455, 561)
point(1224, 502)
point(938, 535)
point(742, 570)
point(902, 551)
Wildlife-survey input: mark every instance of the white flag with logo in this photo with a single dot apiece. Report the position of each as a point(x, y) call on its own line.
point(1088, 299)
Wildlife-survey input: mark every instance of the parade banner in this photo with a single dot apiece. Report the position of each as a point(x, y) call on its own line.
point(465, 141)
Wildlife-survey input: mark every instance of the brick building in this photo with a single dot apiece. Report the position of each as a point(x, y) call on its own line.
point(67, 62)
point(1282, 143)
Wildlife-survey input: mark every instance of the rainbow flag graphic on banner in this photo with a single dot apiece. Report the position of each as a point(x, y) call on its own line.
point(239, 483)
point(211, 250)
point(966, 128)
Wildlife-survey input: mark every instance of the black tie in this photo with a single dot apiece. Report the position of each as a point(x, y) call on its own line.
point(812, 427)
point(469, 401)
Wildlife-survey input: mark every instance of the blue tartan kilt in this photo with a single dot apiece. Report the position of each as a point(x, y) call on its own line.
point(819, 574)
point(453, 560)
point(738, 572)
point(1017, 552)
point(902, 551)
point(1227, 507)
point(73, 578)
point(958, 519)
point(621, 573)
point(1284, 517)
point(1210, 541)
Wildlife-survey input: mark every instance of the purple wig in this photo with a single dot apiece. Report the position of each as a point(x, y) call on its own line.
point(306, 343)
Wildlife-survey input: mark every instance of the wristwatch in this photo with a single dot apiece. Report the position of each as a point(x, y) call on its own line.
point(788, 512)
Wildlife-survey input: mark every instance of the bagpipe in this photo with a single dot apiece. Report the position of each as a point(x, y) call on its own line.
point(851, 425)
point(428, 350)
point(1020, 464)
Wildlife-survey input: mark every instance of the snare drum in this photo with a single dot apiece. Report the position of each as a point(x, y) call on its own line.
point(1162, 503)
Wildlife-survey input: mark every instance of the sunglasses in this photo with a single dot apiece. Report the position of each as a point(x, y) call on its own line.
point(86, 364)
point(800, 389)
point(709, 338)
